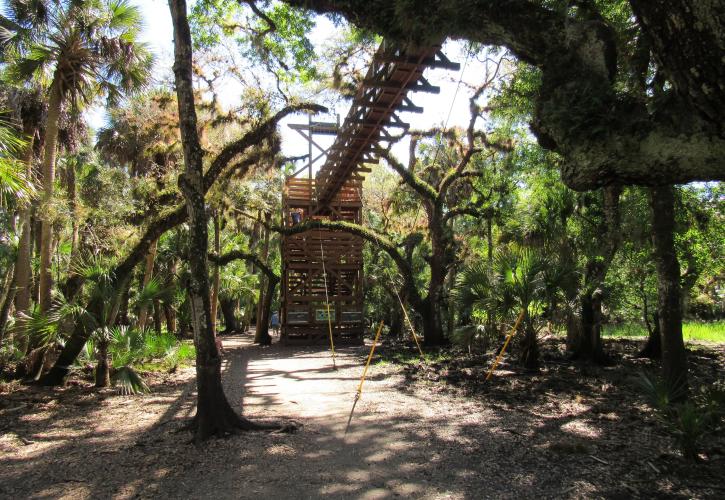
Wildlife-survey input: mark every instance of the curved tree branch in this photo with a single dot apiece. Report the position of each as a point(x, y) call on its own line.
point(605, 136)
point(262, 131)
point(224, 259)
point(410, 178)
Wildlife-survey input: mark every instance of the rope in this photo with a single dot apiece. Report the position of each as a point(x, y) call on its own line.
point(505, 344)
point(448, 118)
point(358, 394)
point(407, 318)
point(327, 302)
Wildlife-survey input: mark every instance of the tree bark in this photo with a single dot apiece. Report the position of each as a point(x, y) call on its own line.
point(23, 262)
point(589, 345)
point(215, 287)
point(694, 63)
point(265, 286)
point(214, 415)
point(170, 316)
point(157, 316)
point(7, 294)
point(143, 312)
point(70, 176)
point(674, 360)
point(103, 372)
point(262, 331)
point(231, 324)
point(46, 231)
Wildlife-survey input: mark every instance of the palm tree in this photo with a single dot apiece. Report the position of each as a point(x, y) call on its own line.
point(15, 188)
point(521, 273)
point(15, 184)
point(81, 49)
point(521, 280)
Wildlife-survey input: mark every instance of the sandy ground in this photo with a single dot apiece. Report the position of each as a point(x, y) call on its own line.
point(406, 440)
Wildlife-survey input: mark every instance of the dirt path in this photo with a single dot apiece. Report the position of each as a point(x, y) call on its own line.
point(405, 440)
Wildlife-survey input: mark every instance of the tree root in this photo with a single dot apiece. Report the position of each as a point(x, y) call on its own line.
point(228, 423)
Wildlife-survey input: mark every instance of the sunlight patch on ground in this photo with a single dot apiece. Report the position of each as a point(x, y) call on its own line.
point(281, 450)
point(581, 428)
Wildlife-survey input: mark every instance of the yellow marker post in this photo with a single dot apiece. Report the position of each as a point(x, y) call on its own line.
point(505, 344)
point(407, 319)
point(358, 394)
point(327, 302)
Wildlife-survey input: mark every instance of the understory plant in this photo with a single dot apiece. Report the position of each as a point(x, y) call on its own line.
point(130, 347)
point(688, 419)
point(517, 283)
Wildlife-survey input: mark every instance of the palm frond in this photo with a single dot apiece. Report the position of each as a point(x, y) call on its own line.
point(129, 382)
point(123, 15)
point(154, 290)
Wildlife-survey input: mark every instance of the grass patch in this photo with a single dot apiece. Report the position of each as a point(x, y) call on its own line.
point(691, 330)
point(181, 356)
point(411, 357)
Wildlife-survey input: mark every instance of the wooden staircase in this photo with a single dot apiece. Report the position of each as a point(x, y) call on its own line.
point(335, 193)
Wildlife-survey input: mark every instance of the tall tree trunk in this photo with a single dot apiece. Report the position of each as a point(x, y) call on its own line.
point(123, 307)
point(157, 316)
point(589, 345)
point(230, 320)
point(103, 371)
point(70, 176)
point(215, 284)
point(674, 360)
point(170, 316)
point(432, 328)
point(262, 326)
point(46, 232)
point(214, 415)
point(143, 313)
point(433, 334)
point(22, 264)
point(262, 331)
point(7, 294)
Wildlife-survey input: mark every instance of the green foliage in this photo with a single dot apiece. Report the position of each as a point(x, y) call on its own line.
point(691, 330)
point(278, 40)
point(688, 420)
point(154, 290)
point(521, 280)
point(85, 48)
point(129, 381)
point(15, 185)
point(45, 329)
point(516, 100)
point(130, 349)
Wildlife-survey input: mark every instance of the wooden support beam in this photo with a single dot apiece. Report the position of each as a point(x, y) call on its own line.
point(431, 62)
point(416, 87)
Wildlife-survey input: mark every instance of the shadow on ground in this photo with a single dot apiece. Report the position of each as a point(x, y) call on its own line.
point(409, 441)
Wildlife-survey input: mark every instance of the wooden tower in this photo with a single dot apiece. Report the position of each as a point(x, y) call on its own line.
point(321, 269)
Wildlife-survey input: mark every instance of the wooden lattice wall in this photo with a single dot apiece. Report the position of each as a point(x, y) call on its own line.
point(304, 305)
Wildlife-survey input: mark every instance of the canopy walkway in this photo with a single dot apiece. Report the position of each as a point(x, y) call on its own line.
point(323, 268)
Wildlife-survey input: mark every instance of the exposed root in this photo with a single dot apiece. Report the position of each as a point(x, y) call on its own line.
point(228, 423)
